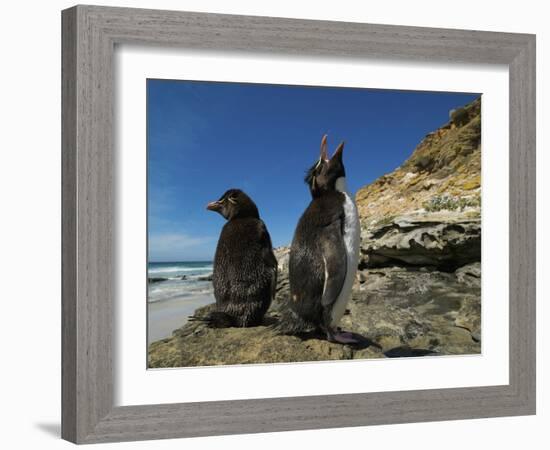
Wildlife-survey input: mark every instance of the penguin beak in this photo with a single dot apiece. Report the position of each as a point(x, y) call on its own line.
point(214, 206)
point(338, 153)
point(324, 152)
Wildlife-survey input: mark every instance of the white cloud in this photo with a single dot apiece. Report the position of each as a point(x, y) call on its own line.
point(176, 245)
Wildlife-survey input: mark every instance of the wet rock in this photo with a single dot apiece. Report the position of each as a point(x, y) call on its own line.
point(156, 279)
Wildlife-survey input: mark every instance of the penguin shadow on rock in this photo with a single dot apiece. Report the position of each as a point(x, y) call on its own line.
point(245, 267)
point(323, 256)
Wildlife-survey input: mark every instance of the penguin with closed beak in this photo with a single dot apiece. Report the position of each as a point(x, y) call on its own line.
point(324, 254)
point(245, 267)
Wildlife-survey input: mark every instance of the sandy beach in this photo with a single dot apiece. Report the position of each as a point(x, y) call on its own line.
point(175, 291)
point(168, 315)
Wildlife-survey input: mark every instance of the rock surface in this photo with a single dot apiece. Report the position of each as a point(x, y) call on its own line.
point(418, 287)
point(417, 308)
point(444, 240)
point(197, 345)
point(442, 174)
point(428, 211)
point(156, 279)
point(205, 277)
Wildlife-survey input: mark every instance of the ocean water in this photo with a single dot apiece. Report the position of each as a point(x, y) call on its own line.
point(182, 279)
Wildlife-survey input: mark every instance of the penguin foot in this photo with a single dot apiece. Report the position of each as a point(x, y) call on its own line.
point(342, 337)
point(216, 319)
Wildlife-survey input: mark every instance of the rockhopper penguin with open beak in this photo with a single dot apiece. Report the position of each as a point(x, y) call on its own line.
point(324, 253)
point(245, 268)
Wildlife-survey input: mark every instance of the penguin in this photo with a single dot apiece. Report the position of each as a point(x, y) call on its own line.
point(245, 267)
point(324, 253)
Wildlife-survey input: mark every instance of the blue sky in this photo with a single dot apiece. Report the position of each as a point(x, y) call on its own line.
point(204, 138)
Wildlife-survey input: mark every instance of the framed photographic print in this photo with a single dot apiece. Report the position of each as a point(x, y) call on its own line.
point(277, 224)
point(418, 291)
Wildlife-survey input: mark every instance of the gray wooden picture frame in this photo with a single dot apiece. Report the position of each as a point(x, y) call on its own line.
point(90, 34)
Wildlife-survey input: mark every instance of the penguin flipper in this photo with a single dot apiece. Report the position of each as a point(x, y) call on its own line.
point(335, 267)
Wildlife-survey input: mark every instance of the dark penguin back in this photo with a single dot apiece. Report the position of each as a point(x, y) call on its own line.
point(317, 247)
point(245, 271)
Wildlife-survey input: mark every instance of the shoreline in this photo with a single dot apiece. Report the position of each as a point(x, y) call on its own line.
point(163, 317)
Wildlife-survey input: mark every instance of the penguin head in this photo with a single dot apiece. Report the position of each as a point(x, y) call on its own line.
point(325, 173)
point(233, 204)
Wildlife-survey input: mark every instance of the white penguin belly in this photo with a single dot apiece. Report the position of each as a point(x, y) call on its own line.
point(352, 238)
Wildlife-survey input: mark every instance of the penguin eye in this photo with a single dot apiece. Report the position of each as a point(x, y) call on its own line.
point(232, 200)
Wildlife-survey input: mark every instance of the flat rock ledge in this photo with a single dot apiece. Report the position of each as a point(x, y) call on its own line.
point(445, 241)
point(197, 345)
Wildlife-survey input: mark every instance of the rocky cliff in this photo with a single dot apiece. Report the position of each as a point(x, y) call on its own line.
point(428, 211)
point(418, 287)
